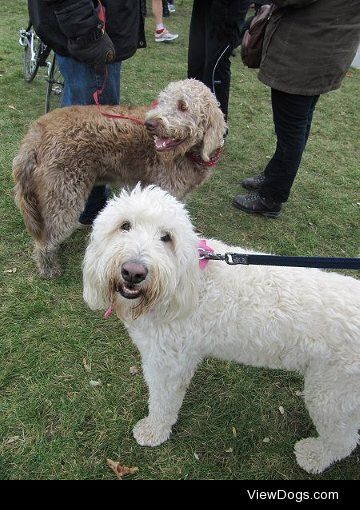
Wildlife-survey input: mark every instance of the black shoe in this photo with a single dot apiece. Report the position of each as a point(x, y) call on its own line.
point(254, 204)
point(253, 183)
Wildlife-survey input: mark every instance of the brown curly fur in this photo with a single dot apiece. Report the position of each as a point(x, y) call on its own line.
point(68, 151)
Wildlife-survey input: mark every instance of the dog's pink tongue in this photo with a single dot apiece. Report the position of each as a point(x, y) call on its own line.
point(161, 143)
point(108, 313)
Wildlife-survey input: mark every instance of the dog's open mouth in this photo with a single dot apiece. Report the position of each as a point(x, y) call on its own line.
point(129, 291)
point(165, 144)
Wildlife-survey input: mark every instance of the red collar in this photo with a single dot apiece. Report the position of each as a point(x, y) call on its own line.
point(196, 158)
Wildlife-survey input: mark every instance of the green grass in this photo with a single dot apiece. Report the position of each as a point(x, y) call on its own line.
point(53, 424)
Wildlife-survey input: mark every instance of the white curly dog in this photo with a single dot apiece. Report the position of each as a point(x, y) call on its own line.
point(142, 261)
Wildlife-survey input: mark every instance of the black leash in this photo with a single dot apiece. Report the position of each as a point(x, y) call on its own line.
point(279, 260)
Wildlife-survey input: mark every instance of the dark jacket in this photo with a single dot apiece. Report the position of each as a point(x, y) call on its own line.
point(56, 21)
point(309, 45)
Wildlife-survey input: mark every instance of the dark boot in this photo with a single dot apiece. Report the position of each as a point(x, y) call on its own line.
point(254, 204)
point(253, 183)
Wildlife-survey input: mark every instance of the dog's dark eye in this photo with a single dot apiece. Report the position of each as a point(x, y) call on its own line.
point(182, 106)
point(166, 238)
point(126, 226)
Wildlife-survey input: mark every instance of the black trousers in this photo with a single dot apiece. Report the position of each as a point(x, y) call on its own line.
point(292, 116)
point(209, 58)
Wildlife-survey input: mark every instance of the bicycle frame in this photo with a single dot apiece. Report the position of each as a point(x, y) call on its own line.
point(27, 39)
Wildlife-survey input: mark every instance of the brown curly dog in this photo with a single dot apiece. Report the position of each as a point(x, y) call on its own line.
point(68, 151)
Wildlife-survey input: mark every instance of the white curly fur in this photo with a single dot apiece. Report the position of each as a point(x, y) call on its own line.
point(286, 318)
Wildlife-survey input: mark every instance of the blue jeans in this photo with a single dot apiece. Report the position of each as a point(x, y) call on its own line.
point(81, 82)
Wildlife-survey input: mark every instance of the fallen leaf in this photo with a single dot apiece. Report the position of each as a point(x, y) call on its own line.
point(95, 384)
point(86, 365)
point(234, 431)
point(134, 370)
point(12, 107)
point(196, 456)
point(229, 450)
point(10, 271)
point(12, 440)
point(349, 75)
point(282, 410)
point(266, 440)
point(120, 470)
point(298, 393)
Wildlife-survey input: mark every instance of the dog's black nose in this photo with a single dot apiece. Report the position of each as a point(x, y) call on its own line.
point(151, 124)
point(133, 272)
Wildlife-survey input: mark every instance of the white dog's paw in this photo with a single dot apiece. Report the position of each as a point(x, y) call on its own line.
point(312, 455)
point(148, 433)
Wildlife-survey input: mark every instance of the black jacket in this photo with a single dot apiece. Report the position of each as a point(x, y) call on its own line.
point(56, 21)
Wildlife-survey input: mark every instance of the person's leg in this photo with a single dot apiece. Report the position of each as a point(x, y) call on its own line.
point(254, 182)
point(161, 34)
point(197, 41)
point(80, 82)
point(157, 10)
point(209, 58)
point(310, 116)
point(292, 119)
point(217, 71)
point(292, 116)
point(165, 9)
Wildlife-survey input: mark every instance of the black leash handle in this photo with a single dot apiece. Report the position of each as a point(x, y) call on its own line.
point(278, 260)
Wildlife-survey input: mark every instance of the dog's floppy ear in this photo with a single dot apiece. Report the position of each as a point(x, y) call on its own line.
point(186, 296)
point(95, 289)
point(214, 132)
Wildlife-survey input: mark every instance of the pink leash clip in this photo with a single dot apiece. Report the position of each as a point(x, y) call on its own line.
point(203, 248)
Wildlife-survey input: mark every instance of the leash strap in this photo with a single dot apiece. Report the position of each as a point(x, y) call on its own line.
point(97, 94)
point(96, 97)
point(101, 13)
point(234, 259)
point(278, 260)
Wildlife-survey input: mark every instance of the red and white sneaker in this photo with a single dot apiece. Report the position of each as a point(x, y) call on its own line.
point(165, 36)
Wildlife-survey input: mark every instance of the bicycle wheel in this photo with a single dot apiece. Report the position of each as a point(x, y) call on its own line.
point(32, 48)
point(35, 53)
point(55, 87)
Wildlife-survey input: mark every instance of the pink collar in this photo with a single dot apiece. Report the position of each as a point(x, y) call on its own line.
point(203, 247)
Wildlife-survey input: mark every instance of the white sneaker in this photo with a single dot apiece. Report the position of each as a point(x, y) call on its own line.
point(165, 36)
point(171, 8)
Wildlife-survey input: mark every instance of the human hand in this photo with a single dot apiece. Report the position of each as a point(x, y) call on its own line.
point(94, 49)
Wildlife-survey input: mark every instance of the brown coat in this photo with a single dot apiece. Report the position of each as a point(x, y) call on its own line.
point(309, 45)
